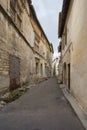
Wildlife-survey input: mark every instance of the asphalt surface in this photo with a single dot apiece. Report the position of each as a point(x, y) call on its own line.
point(43, 107)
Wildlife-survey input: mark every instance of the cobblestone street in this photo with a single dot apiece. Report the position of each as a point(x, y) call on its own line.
point(43, 107)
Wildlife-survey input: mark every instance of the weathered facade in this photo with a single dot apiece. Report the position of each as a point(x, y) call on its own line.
point(60, 71)
point(43, 49)
point(17, 45)
point(73, 34)
point(55, 66)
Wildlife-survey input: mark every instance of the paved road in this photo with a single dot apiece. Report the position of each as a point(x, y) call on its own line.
point(43, 107)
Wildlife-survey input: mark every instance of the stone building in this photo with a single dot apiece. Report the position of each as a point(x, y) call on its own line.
point(55, 66)
point(60, 71)
point(73, 47)
point(43, 49)
point(18, 63)
point(15, 44)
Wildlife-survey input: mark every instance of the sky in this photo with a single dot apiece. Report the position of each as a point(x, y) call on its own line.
point(47, 13)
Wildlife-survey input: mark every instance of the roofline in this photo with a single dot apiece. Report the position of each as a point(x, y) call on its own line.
point(38, 23)
point(62, 18)
point(52, 50)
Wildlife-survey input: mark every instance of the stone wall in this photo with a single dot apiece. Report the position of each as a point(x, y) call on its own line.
point(43, 50)
point(75, 52)
point(17, 40)
point(14, 42)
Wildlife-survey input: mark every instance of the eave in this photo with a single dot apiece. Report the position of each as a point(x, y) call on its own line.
point(33, 13)
point(63, 16)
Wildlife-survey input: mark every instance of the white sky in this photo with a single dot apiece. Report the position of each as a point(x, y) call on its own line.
point(47, 13)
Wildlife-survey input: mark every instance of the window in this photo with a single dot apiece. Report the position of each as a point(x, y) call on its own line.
point(16, 12)
point(36, 46)
point(13, 9)
point(37, 40)
point(1, 17)
point(24, 1)
point(18, 17)
point(65, 35)
point(64, 38)
point(19, 21)
point(63, 43)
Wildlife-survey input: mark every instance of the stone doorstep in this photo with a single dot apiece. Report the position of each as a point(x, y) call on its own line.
point(80, 112)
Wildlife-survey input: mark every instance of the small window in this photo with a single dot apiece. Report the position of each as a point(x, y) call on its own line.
point(13, 3)
point(19, 16)
point(19, 22)
point(13, 9)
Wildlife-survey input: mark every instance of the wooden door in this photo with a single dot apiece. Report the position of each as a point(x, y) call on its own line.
point(14, 72)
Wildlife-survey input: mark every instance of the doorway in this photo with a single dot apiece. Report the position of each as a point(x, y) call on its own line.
point(64, 74)
point(37, 65)
point(41, 70)
point(14, 71)
point(69, 76)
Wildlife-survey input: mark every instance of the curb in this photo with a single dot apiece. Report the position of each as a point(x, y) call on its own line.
point(82, 115)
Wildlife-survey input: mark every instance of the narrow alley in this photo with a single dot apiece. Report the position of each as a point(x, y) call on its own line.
point(43, 107)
